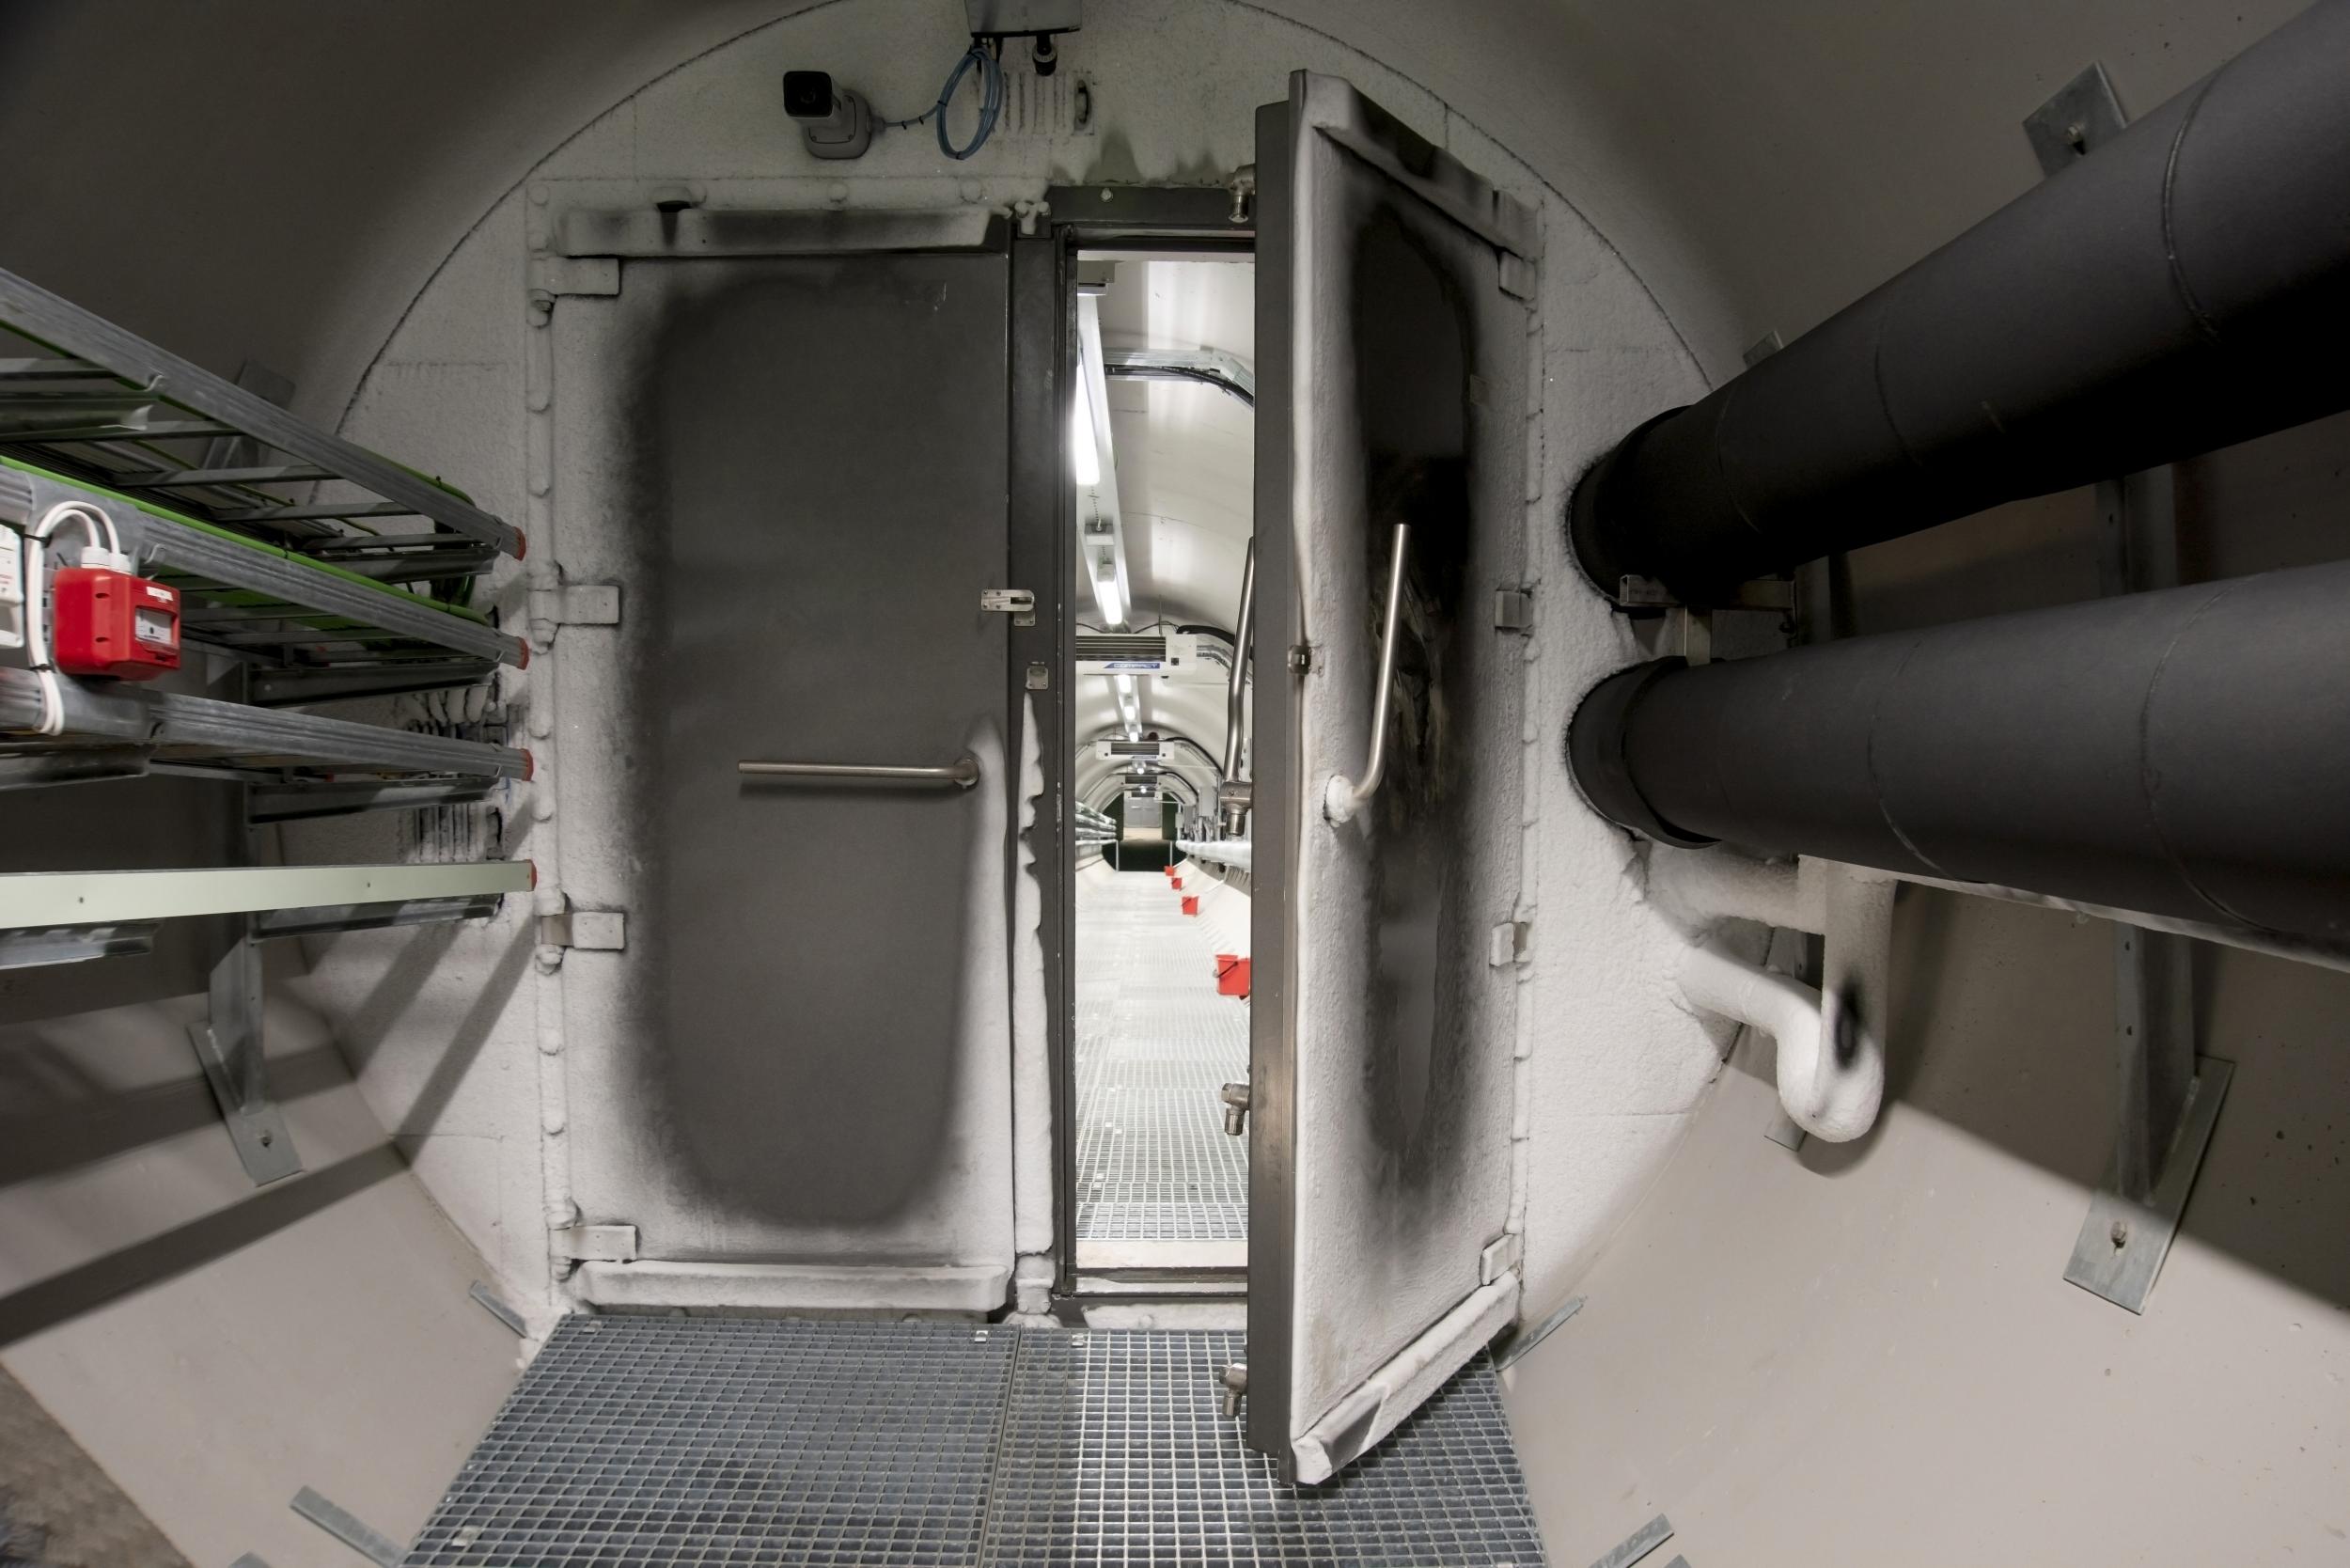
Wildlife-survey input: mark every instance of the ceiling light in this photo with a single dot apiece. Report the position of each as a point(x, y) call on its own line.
point(1105, 596)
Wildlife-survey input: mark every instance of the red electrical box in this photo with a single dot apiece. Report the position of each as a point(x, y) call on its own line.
point(1191, 905)
point(106, 622)
point(1176, 883)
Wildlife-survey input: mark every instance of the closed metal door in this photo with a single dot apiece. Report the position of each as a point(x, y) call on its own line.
point(814, 1064)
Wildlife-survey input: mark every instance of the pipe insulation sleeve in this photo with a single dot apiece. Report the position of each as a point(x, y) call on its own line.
point(2175, 753)
point(2164, 297)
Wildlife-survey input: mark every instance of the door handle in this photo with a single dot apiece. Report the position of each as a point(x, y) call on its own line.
point(963, 771)
point(1232, 794)
point(1344, 796)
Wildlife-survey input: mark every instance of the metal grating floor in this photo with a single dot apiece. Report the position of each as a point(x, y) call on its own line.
point(634, 1442)
point(1156, 1046)
point(1117, 1451)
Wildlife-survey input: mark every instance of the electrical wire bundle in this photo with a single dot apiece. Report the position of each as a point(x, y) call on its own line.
point(988, 60)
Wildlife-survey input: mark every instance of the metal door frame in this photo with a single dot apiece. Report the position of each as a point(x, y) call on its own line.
point(1272, 801)
point(1208, 219)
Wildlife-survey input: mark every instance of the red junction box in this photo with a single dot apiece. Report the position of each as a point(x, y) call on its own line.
point(1232, 974)
point(104, 623)
point(1176, 883)
point(1191, 905)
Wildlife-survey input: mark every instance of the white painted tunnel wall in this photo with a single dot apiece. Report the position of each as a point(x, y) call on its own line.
point(447, 393)
point(212, 1349)
point(1868, 1353)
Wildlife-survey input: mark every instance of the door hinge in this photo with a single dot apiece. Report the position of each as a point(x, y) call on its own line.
point(554, 275)
point(1514, 610)
point(1508, 943)
point(595, 1244)
point(1500, 1256)
point(1301, 658)
point(603, 930)
point(1235, 1109)
point(1019, 604)
point(577, 605)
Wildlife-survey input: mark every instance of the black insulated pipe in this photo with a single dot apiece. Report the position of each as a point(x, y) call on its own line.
point(2184, 288)
point(2183, 753)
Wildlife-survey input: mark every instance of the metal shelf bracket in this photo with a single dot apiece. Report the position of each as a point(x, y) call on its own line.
point(229, 1044)
point(2168, 1104)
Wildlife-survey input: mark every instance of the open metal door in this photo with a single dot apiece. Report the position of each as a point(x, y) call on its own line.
point(1393, 296)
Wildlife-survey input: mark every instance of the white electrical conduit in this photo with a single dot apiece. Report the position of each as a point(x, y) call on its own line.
point(37, 647)
point(1831, 1041)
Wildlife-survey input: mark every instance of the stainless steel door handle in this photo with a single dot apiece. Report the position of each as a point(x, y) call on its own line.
point(1345, 797)
point(1233, 792)
point(963, 772)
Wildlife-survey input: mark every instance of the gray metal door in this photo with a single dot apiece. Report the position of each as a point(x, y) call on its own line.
point(815, 1068)
point(1392, 296)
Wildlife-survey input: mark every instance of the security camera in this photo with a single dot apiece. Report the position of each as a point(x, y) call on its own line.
point(833, 121)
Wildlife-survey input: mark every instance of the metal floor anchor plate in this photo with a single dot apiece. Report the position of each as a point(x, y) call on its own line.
point(643, 1441)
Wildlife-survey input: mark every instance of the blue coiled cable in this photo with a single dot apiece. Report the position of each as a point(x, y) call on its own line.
point(990, 98)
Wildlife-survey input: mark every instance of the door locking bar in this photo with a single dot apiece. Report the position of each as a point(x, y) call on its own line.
point(963, 771)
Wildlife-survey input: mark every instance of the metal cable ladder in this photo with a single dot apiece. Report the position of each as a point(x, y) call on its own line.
point(323, 571)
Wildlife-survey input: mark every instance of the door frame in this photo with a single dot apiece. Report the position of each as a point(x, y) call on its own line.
point(1044, 359)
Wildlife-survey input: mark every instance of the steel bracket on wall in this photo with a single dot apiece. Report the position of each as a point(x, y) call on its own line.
point(2168, 1104)
point(2081, 116)
point(229, 1043)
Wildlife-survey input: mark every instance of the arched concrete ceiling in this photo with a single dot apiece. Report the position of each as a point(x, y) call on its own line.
point(278, 177)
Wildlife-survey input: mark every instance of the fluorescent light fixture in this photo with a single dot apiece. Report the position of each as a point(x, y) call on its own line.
point(1125, 685)
point(1105, 595)
point(1085, 452)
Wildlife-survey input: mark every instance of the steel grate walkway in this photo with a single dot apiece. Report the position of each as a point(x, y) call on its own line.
point(636, 1442)
point(1155, 1045)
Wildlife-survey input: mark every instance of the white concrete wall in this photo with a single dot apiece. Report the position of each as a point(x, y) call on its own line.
point(1869, 1352)
point(449, 394)
point(214, 1348)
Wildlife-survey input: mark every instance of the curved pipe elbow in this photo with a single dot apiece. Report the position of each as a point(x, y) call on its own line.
point(1831, 1068)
